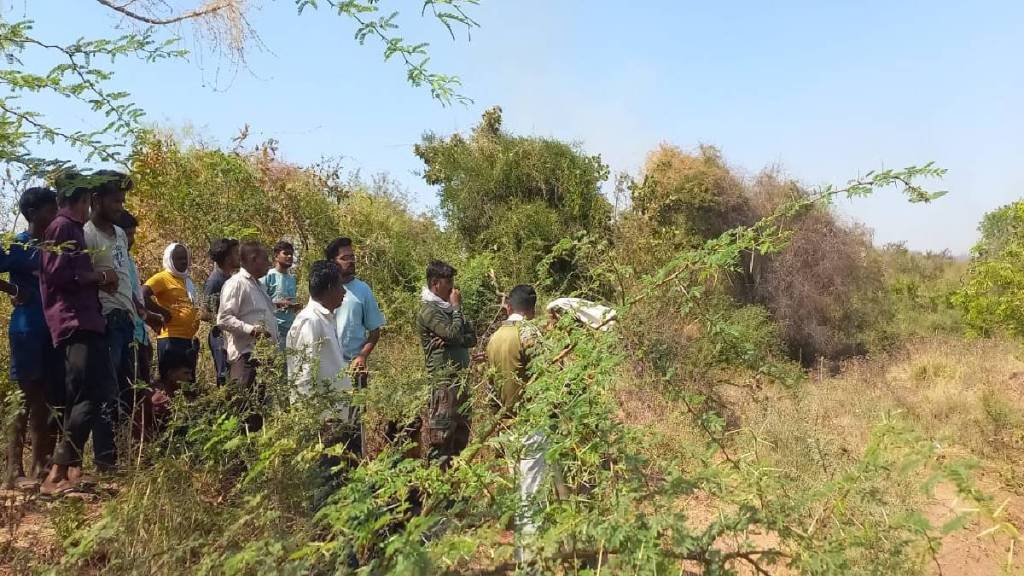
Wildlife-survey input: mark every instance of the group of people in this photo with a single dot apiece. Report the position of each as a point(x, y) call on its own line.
point(80, 335)
point(79, 342)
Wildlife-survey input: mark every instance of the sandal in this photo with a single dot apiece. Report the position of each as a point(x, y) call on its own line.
point(62, 488)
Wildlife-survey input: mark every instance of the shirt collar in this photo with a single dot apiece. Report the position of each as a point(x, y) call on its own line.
point(318, 307)
point(245, 274)
point(66, 212)
point(515, 317)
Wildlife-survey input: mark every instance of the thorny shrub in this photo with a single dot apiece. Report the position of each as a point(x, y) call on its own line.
point(214, 499)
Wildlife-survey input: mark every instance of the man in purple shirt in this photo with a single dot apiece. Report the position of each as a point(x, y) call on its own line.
point(70, 293)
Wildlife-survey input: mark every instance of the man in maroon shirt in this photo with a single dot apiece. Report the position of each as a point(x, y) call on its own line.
point(70, 293)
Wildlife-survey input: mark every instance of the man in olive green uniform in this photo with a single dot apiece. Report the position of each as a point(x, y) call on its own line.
point(508, 355)
point(446, 337)
point(508, 348)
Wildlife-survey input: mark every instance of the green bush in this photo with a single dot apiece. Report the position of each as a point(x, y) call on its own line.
point(209, 498)
point(212, 194)
point(690, 197)
point(921, 288)
point(992, 296)
point(516, 196)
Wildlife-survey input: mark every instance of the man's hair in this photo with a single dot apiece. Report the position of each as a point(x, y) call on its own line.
point(71, 187)
point(249, 248)
point(324, 276)
point(127, 220)
point(438, 270)
point(106, 182)
point(283, 246)
point(34, 199)
point(171, 360)
point(220, 249)
point(332, 250)
point(522, 298)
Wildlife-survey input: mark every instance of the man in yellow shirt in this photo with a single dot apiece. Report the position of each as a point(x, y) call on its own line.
point(172, 294)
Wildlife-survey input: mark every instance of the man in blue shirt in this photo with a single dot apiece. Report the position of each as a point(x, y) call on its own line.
point(283, 289)
point(35, 365)
point(359, 317)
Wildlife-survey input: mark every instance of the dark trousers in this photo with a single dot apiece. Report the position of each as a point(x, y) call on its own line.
point(220, 355)
point(88, 384)
point(249, 394)
point(189, 347)
point(144, 362)
point(446, 427)
point(332, 473)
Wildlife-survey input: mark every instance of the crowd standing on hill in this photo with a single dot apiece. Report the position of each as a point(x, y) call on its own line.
point(81, 351)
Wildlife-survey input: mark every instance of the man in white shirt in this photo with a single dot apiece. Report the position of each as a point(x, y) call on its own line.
point(247, 314)
point(316, 361)
point(108, 248)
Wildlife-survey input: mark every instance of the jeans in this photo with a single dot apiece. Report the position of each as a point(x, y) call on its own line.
point(144, 361)
point(88, 384)
point(117, 405)
point(220, 355)
point(539, 478)
point(120, 337)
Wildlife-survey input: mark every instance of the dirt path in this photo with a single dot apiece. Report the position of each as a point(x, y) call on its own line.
point(977, 550)
point(32, 528)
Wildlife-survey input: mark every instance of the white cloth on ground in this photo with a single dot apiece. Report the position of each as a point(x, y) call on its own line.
point(594, 315)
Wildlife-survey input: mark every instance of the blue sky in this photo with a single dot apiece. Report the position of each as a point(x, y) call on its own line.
point(826, 90)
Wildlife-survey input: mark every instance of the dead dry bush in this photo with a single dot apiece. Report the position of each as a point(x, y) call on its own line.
point(826, 290)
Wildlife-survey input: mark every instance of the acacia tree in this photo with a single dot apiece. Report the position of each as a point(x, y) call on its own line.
point(82, 71)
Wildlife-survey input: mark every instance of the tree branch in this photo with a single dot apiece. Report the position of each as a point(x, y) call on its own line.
point(92, 85)
point(189, 15)
point(43, 130)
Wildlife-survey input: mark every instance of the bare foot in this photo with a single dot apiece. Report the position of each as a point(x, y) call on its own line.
point(57, 475)
point(54, 489)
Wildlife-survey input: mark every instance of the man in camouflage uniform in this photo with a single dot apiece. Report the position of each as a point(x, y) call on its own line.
point(446, 337)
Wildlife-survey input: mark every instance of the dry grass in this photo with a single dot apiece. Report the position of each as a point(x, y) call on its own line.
point(966, 396)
